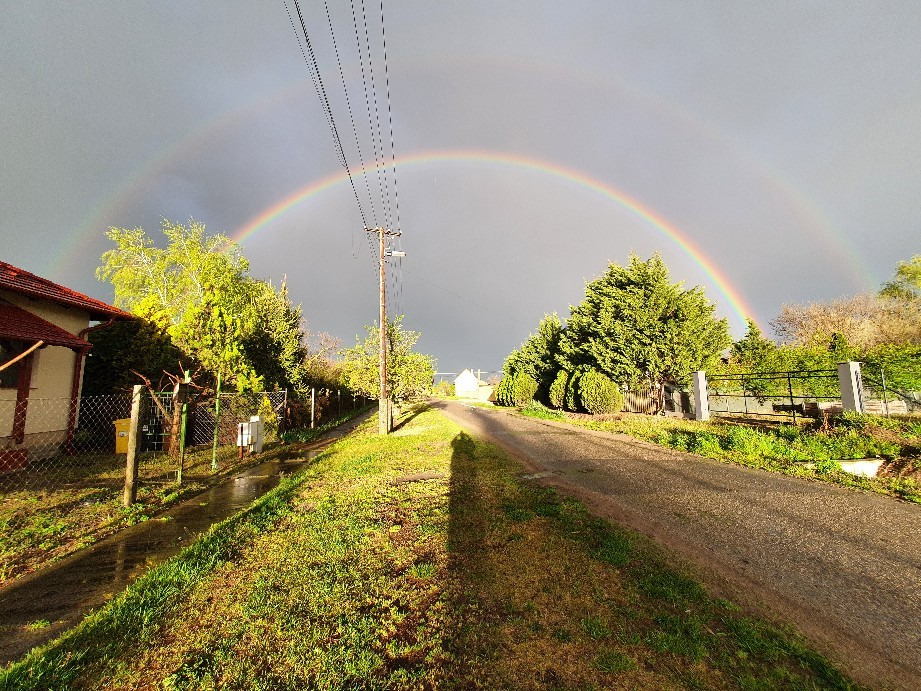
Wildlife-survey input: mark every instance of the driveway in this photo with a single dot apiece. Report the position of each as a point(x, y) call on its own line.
point(843, 566)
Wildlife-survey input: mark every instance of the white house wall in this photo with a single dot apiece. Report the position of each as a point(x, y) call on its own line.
point(52, 371)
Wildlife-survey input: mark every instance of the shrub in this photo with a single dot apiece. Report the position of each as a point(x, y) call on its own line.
point(524, 386)
point(504, 390)
point(516, 389)
point(572, 401)
point(599, 393)
point(557, 395)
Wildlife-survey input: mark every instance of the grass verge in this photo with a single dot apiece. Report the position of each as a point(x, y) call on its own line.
point(780, 448)
point(420, 560)
point(61, 510)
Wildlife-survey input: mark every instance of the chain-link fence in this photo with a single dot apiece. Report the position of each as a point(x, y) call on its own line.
point(881, 398)
point(63, 466)
point(63, 444)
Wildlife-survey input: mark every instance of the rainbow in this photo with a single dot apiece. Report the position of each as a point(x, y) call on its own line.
point(733, 297)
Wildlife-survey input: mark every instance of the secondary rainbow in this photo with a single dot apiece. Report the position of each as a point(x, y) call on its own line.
point(733, 297)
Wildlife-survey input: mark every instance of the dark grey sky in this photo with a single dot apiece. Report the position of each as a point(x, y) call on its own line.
point(774, 149)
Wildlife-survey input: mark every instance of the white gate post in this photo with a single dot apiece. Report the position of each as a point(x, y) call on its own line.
point(851, 386)
point(701, 396)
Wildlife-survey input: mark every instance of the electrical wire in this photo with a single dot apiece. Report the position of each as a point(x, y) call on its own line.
point(316, 77)
point(379, 142)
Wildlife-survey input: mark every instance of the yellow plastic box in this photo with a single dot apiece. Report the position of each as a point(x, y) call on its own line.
point(121, 434)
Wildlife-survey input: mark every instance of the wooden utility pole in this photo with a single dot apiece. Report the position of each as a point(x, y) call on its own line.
point(383, 405)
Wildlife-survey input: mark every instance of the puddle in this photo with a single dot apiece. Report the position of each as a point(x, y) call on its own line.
point(65, 592)
point(538, 476)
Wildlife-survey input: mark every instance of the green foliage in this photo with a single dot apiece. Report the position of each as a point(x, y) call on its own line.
point(536, 357)
point(516, 390)
point(537, 410)
point(753, 351)
point(409, 374)
point(907, 279)
point(137, 345)
point(504, 390)
point(198, 291)
point(524, 386)
point(572, 401)
point(557, 393)
point(599, 394)
point(638, 328)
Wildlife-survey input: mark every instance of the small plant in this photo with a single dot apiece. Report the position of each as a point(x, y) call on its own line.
point(614, 661)
point(595, 628)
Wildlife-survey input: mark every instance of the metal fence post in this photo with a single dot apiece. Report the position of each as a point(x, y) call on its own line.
point(882, 375)
point(217, 418)
point(183, 396)
point(131, 465)
point(313, 395)
point(790, 392)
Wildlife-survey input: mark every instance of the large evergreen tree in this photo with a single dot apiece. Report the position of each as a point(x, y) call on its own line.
point(536, 357)
point(640, 329)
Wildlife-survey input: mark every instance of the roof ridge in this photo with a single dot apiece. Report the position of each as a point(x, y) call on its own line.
point(18, 280)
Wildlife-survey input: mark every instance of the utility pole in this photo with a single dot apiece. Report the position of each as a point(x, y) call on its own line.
point(383, 404)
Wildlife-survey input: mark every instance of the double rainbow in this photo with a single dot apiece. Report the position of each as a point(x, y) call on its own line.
point(735, 300)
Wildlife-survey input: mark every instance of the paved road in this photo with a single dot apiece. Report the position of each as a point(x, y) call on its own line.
point(843, 566)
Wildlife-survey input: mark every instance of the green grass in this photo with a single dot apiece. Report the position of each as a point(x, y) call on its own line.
point(77, 500)
point(359, 573)
point(781, 448)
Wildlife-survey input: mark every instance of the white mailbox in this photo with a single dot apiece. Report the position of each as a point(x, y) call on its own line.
point(250, 434)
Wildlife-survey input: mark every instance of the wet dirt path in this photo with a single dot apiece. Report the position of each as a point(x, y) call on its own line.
point(843, 566)
point(65, 592)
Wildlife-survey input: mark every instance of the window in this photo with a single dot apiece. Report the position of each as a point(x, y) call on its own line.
point(9, 377)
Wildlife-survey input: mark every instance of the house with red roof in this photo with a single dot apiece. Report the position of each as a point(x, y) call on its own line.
point(43, 328)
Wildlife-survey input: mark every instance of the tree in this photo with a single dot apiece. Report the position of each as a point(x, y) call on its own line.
point(198, 290)
point(638, 328)
point(599, 395)
point(124, 348)
point(753, 351)
point(907, 280)
point(536, 357)
point(409, 374)
point(861, 321)
point(557, 394)
point(516, 389)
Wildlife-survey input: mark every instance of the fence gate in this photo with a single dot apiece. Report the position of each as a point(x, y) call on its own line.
point(778, 394)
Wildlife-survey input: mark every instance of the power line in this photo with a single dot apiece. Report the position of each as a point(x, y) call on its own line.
point(393, 160)
point(348, 103)
point(320, 89)
point(379, 146)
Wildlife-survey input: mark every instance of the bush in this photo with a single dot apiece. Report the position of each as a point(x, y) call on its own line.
point(557, 395)
point(572, 401)
point(599, 393)
point(516, 389)
point(524, 386)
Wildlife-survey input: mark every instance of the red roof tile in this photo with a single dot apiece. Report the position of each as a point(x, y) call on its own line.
point(18, 280)
point(19, 325)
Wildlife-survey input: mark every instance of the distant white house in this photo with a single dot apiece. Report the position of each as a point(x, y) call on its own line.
point(466, 385)
point(469, 385)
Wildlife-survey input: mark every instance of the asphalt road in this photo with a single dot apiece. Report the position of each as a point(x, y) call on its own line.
point(844, 567)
